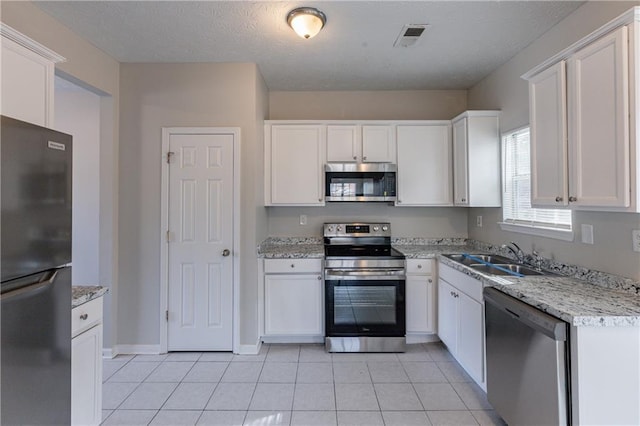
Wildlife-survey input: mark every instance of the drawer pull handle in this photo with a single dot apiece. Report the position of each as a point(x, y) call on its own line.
point(84, 316)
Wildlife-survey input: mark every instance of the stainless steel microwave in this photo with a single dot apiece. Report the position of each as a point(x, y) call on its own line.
point(360, 182)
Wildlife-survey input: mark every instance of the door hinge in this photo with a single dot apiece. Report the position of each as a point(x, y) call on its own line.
point(168, 236)
point(169, 155)
point(166, 315)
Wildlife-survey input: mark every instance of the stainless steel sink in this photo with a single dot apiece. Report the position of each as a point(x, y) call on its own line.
point(505, 269)
point(493, 264)
point(473, 258)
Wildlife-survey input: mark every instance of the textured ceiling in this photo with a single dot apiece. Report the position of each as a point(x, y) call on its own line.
point(465, 41)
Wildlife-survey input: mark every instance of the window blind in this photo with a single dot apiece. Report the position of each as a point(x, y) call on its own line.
point(517, 187)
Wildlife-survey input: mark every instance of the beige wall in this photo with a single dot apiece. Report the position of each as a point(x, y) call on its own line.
point(96, 71)
point(174, 95)
point(367, 105)
point(505, 90)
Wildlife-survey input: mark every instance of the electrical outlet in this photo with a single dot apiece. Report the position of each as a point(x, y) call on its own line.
point(303, 219)
point(635, 234)
point(587, 233)
point(479, 221)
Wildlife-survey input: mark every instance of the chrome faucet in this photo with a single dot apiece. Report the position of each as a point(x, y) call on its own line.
point(516, 250)
point(537, 259)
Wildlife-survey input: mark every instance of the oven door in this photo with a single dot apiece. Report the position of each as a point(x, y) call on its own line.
point(364, 303)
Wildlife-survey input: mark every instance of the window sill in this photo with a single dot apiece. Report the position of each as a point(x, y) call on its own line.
point(556, 234)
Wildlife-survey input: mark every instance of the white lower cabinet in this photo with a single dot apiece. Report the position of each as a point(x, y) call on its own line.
point(86, 363)
point(461, 320)
point(420, 297)
point(293, 300)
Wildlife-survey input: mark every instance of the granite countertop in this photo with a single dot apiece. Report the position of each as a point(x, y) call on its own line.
point(572, 300)
point(576, 295)
point(84, 293)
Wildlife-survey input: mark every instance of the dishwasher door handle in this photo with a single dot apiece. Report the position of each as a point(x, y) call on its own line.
point(540, 321)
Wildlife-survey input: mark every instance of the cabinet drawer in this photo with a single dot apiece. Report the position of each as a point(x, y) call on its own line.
point(471, 286)
point(292, 266)
point(419, 266)
point(85, 316)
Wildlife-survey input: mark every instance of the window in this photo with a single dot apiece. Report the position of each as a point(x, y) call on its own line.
point(518, 215)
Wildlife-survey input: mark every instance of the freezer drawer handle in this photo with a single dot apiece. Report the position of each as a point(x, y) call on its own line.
point(38, 284)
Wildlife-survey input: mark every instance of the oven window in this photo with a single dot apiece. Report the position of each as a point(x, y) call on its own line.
point(364, 305)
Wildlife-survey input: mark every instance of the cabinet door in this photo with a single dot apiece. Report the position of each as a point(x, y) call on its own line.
point(460, 163)
point(420, 304)
point(448, 315)
point(378, 144)
point(296, 164)
point(86, 377)
point(471, 336)
point(424, 165)
point(342, 143)
point(548, 119)
point(293, 304)
point(27, 84)
point(599, 123)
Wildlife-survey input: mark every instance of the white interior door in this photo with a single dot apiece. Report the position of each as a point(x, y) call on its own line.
point(200, 249)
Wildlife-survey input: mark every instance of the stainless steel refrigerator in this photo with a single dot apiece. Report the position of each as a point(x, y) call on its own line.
point(35, 292)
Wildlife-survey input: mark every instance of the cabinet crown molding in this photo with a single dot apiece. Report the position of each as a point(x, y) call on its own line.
point(628, 17)
point(23, 40)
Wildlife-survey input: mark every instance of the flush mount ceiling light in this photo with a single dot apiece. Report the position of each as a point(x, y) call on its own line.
point(306, 21)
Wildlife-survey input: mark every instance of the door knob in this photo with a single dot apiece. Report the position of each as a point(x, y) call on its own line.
point(226, 252)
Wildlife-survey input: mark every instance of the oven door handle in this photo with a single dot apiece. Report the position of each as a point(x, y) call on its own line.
point(364, 274)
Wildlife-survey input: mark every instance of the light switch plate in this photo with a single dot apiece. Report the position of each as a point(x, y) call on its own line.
point(479, 221)
point(587, 233)
point(635, 234)
point(303, 219)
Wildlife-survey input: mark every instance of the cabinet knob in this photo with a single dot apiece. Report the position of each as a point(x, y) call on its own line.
point(319, 200)
point(84, 316)
point(364, 158)
point(558, 199)
point(419, 266)
point(319, 277)
point(430, 280)
point(464, 200)
point(293, 265)
point(572, 199)
point(355, 157)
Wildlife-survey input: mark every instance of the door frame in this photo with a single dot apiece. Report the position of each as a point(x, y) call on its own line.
point(167, 132)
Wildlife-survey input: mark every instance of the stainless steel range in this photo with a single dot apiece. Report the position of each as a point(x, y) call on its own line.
point(364, 289)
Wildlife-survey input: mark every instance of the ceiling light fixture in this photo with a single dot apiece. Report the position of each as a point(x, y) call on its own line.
point(306, 21)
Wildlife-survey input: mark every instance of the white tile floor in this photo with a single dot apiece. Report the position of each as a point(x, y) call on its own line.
point(293, 385)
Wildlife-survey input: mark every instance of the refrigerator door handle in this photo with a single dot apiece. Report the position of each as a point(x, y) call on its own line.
point(38, 284)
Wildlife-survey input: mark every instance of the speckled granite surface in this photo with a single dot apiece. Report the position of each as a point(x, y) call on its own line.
point(580, 296)
point(575, 301)
point(83, 293)
point(291, 248)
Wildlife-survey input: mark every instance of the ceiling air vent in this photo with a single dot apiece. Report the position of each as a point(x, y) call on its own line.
point(409, 35)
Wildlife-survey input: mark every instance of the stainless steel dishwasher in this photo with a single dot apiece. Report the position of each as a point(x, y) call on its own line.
point(527, 362)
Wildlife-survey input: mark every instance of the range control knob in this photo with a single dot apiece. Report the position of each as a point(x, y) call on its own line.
point(376, 228)
point(330, 228)
point(339, 228)
point(385, 228)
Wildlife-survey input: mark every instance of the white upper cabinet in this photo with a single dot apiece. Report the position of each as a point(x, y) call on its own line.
point(424, 164)
point(476, 159)
point(582, 138)
point(599, 123)
point(27, 78)
point(360, 143)
point(294, 161)
point(547, 112)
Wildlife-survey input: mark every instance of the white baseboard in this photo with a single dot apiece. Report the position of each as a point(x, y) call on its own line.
point(250, 349)
point(131, 350)
point(293, 339)
point(422, 338)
